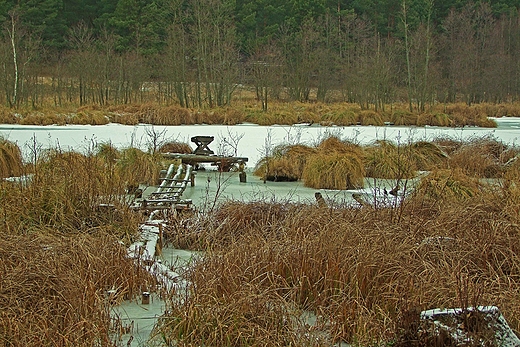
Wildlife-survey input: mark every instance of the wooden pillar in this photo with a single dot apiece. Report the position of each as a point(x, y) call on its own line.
point(242, 175)
point(145, 298)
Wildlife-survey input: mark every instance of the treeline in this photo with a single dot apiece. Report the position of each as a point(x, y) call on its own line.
point(196, 53)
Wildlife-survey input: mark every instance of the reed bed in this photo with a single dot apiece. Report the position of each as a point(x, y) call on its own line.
point(333, 164)
point(279, 112)
point(363, 273)
point(54, 288)
point(65, 229)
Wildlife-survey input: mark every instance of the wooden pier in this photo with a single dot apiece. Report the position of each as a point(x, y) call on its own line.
point(173, 182)
point(223, 163)
point(203, 154)
point(168, 195)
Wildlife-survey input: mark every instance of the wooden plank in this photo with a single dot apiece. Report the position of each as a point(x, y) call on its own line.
point(196, 158)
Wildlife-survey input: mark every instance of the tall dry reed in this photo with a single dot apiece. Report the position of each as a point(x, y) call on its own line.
point(64, 236)
point(11, 163)
point(248, 109)
point(54, 287)
point(361, 271)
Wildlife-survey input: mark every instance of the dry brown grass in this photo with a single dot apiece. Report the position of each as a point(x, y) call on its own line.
point(334, 171)
point(333, 164)
point(384, 159)
point(441, 185)
point(286, 164)
point(247, 109)
point(336, 164)
point(477, 114)
point(11, 163)
point(482, 157)
point(361, 271)
point(64, 238)
point(176, 147)
point(65, 192)
point(136, 167)
point(54, 287)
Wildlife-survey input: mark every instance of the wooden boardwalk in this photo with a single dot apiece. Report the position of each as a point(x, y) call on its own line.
point(168, 195)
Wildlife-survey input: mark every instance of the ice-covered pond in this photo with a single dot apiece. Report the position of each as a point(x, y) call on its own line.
point(254, 140)
point(251, 141)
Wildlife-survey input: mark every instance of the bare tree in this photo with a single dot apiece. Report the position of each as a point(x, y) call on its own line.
point(12, 29)
point(264, 68)
point(404, 19)
point(214, 52)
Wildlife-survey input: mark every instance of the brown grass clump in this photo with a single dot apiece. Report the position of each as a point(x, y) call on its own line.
point(334, 171)
point(11, 163)
point(54, 287)
point(464, 115)
point(40, 118)
point(286, 164)
point(69, 191)
point(403, 117)
point(369, 117)
point(136, 166)
point(108, 153)
point(482, 157)
point(447, 185)
point(341, 118)
point(384, 159)
point(361, 272)
point(335, 165)
point(427, 156)
point(334, 144)
point(437, 119)
point(176, 147)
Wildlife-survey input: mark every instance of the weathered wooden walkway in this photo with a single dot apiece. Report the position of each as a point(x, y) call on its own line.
point(168, 195)
point(223, 163)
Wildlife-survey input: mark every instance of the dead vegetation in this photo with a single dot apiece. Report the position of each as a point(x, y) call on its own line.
point(359, 270)
point(247, 109)
point(362, 272)
point(10, 159)
point(333, 164)
point(365, 273)
point(54, 287)
point(337, 164)
point(65, 229)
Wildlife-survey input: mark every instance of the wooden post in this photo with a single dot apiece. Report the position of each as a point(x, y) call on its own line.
point(145, 298)
point(192, 179)
point(242, 175)
point(159, 244)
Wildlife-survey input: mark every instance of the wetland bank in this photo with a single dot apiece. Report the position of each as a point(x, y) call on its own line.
point(365, 272)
